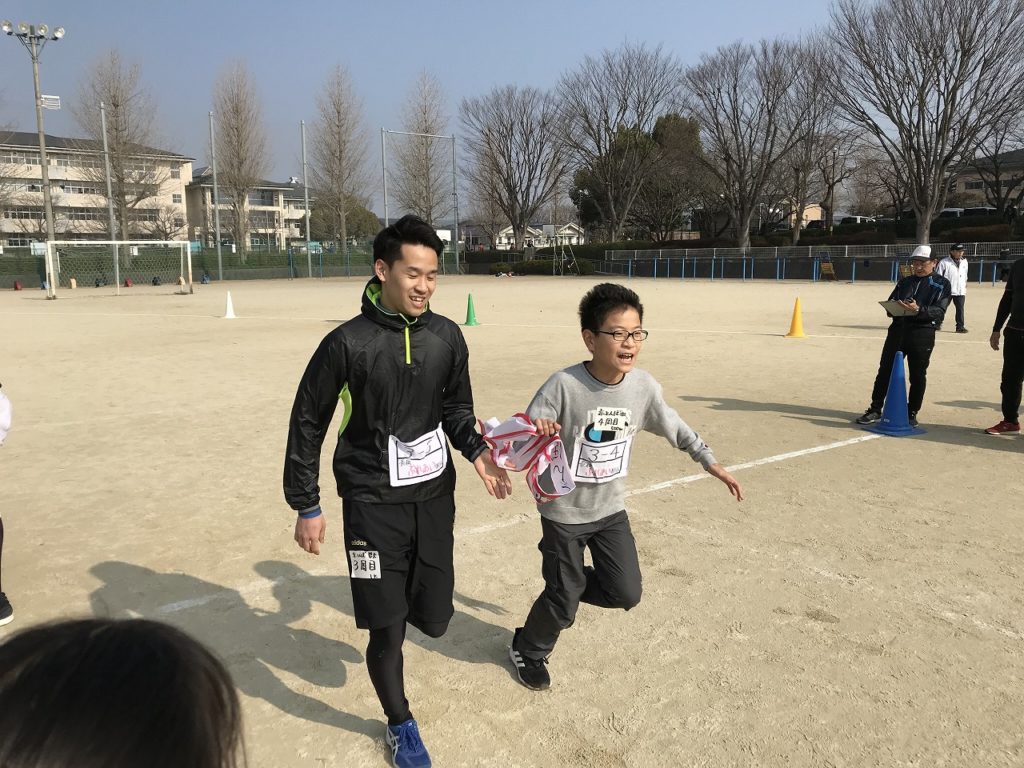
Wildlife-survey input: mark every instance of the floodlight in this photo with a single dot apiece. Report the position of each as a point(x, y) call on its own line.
point(58, 33)
point(23, 28)
point(42, 29)
point(7, 27)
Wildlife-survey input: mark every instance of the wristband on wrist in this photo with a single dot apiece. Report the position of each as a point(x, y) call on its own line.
point(314, 512)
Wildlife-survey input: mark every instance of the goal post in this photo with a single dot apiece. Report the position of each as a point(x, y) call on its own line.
point(113, 265)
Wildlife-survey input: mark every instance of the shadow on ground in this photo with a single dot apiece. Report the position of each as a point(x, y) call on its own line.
point(939, 433)
point(255, 643)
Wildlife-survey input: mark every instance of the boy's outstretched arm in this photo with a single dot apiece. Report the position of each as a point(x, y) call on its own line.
point(718, 471)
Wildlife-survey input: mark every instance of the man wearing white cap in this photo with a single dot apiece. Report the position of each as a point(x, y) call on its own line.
point(925, 295)
point(954, 269)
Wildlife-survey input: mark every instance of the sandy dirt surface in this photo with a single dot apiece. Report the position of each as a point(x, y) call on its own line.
point(862, 607)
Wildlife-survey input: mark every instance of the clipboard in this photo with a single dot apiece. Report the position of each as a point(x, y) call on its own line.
point(896, 309)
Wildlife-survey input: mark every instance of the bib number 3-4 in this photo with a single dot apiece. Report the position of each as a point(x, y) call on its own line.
point(418, 461)
point(600, 462)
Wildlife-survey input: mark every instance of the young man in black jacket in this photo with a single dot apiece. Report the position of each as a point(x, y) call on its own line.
point(925, 295)
point(401, 373)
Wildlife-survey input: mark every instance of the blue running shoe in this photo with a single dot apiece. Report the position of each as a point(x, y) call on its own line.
point(407, 750)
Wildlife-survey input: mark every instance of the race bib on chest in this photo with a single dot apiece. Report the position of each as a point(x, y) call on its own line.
point(365, 564)
point(602, 449)
point(418, 461)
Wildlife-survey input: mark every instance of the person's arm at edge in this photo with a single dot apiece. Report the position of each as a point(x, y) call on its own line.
point(316, 399)
point(1003, 310)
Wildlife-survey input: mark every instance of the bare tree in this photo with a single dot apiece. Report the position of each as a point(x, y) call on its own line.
point(484, 210)
point(820, 116)
point(835, 167)
point(929, 80)
point(135, 174)
point(744, 97)
point(421, 172)
point(340, 170)
point(877, 181)
point(1003, 187)
point(169, 223)
point(609, 106)
point(242, 157)
point(514, 147)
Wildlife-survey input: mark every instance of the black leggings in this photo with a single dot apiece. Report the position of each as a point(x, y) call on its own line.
point(1, 551)
point(385, 663)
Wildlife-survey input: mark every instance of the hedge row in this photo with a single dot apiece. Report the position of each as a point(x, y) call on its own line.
point(538, 267)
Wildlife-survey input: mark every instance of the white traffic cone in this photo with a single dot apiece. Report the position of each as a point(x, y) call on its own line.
point(229, 309)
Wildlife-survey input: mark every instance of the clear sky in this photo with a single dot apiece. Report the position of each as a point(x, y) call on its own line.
point(469, 45)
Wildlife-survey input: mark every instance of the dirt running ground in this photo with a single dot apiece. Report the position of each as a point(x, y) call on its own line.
point(863, 607)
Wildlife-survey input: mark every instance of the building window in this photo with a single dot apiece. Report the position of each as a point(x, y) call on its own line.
point(179, 222)
point(11, 157)
point(175, 171)
point(176, 199)
point(972, 185)
point(75, 188)
point(19, 242)
point(24, 213)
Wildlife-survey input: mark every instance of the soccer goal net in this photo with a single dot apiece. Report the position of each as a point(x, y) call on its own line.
point(117, 266)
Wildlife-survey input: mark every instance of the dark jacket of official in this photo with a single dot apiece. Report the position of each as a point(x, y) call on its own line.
point(932, 294)
point(393, 376)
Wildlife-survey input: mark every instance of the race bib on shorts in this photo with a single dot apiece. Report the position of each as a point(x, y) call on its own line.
point(365, 564)
point(418, 461)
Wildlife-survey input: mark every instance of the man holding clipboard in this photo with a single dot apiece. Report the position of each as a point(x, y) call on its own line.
point(916, 305)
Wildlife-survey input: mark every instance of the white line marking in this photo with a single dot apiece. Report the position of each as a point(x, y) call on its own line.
point(757, 463)
point(257, 587)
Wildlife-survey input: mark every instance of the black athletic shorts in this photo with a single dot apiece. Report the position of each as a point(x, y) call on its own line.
point(400, 561)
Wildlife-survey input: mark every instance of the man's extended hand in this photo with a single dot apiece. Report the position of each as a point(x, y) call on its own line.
point(310, 533)
point(993, 340)
point(495, 479)
point(718, 471)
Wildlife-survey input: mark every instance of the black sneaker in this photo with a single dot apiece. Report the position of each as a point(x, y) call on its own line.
point(913, 418)
point(961, 330)
point(6, 611)
point(870, 416)
point(531, 673)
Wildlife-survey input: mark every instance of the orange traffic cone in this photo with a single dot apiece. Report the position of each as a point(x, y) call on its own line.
point(796, 328)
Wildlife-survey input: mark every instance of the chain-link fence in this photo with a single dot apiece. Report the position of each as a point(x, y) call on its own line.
point(847, 263)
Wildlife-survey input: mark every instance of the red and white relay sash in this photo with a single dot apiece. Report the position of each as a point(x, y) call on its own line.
point(516, 446)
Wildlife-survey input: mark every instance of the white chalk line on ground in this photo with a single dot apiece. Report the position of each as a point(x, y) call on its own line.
point(257, 587)
point(484, 326)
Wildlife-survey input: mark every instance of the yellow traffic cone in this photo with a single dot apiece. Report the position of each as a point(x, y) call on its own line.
point(796, 328)
point(471, 312)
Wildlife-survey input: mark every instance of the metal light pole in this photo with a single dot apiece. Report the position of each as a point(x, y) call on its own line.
point(216, 201)
point(455, 192)
point(110, 198)
point(35, 37)
point(305, 187)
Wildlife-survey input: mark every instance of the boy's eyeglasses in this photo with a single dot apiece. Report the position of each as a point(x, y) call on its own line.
point(637, 336)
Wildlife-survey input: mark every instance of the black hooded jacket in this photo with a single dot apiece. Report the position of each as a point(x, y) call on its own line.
point(393, 376)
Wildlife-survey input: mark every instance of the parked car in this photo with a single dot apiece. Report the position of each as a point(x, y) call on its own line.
point(983, 210)
point(950, 213)
point(816, 224)
point(855, 220)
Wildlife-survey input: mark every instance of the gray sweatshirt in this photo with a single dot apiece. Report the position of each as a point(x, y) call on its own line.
point(599, 422)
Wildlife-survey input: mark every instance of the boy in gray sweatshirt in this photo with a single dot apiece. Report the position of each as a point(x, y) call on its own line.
point(597, 406)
